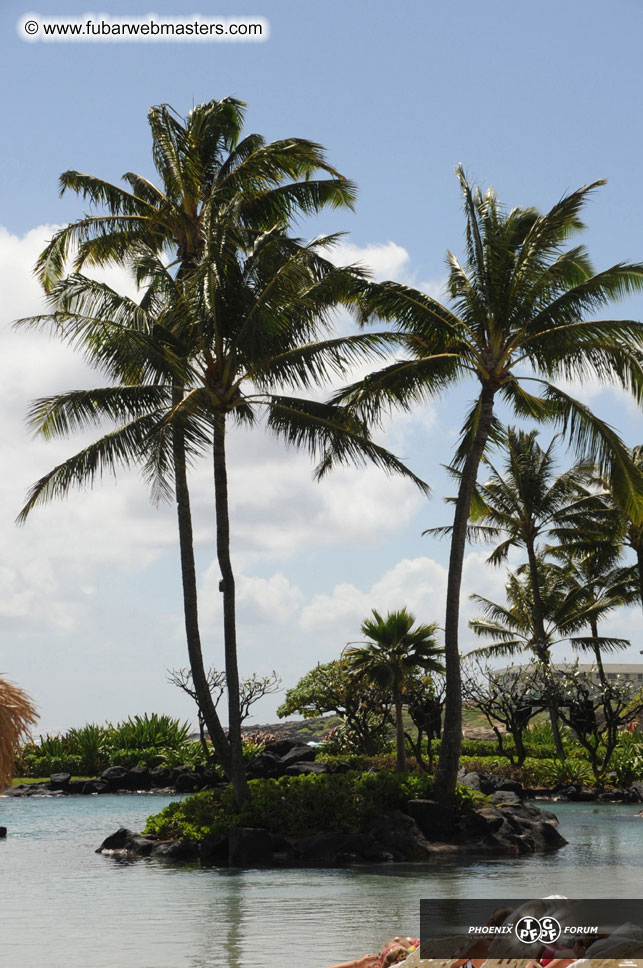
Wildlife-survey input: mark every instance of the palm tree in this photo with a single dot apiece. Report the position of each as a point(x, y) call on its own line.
point(598, 585)
point(234, 336)
point(526, 501)
point(395, 649)
point(517, 321)
point(17, 714)
point(566, 611)
point(209, 179)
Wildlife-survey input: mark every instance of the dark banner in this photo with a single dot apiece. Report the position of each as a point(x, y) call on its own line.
point(535, 929)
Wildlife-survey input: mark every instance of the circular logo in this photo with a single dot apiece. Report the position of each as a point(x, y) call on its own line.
point(549, 930)
point(529, 930)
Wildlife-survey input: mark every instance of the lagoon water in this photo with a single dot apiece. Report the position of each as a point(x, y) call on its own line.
point(63, 906)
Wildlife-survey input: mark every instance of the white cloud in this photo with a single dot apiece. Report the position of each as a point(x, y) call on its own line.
point(386, 260)
point(259, 601)
point(418, 584)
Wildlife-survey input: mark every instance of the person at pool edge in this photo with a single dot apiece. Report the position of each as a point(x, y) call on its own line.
point(376, 961)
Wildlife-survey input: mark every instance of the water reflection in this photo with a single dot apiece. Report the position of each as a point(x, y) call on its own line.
point(221, 938)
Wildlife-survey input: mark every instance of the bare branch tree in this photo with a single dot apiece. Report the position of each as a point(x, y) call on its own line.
point(251, 690)
point(511, 700)
point(595, 709)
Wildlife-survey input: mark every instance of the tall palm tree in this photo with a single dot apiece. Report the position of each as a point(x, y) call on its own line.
point(17, 714)
point(209, 177)
point(517, 321)
point(233, 337)
point(526, 501)
point(394, 650)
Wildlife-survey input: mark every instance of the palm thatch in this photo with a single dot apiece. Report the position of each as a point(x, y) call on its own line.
point(17, 714)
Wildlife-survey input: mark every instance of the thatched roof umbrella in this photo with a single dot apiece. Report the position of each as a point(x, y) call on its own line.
point(17, 714)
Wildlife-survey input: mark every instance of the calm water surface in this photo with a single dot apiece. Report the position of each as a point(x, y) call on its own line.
point(63, 906)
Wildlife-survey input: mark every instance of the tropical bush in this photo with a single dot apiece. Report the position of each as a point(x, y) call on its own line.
point(31, 765)
point(91, 744)
point(627, 760)
point(534, 772)
point(296, 806)
point(149, 740)
point(141, 732)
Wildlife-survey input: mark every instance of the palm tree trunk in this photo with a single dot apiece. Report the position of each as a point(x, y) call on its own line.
point(597, 651)
point(238, 772)
point(190, 606)
point(639, 562)
point(541, 647)
point(400, 763)
point(446, 774)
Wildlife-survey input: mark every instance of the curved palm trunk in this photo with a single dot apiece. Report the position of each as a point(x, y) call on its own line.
point(538, 618)
point(400, 762)
point(238, 772)
point(446, 774)
point(190, 603)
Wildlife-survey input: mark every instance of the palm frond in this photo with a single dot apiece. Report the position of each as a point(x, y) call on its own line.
point(331, 434)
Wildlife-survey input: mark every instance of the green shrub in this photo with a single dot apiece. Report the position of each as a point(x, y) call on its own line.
point(88, 750)
point(535, 771)
point(568, 770)
point(189, 754)
point(149, 731)
point(138, 757)
point(91, 744)
point(297, 805)
point(250, 749)
point(627, 760)
point(31, 765)
point(361, 762)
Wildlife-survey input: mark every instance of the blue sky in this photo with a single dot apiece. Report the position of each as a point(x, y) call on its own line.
point(535, 99)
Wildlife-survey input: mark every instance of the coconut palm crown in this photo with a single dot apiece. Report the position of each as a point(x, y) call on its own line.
point(206, 169)
point(518, 326)
point(566, 611)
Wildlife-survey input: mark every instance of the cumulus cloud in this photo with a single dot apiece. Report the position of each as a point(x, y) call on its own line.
point(386, 260)
point(260, 601)
point(418, 584)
